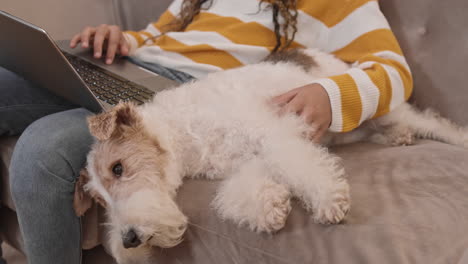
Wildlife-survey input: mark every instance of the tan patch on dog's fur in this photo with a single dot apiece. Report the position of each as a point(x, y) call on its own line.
point(105, 125)
point(83, 200)
point(296, 56)
point(142, 154)
point(119, 131)
point(124, 139)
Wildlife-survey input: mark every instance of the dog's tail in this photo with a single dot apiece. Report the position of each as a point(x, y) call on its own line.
point(426, 125)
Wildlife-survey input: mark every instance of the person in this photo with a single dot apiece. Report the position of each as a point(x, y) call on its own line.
point(190, 40)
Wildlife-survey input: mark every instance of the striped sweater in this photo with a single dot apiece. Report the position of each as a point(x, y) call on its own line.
point(232, 33)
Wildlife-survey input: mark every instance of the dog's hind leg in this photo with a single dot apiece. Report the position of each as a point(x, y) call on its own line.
point(313, 175)
point(405, 123)
point(249, 197)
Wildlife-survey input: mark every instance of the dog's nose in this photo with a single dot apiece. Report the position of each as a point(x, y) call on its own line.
point(131, 239)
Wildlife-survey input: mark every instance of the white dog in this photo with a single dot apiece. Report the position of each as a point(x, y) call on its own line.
point(222, 127)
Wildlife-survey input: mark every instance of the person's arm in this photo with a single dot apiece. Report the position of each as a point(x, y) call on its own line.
point(136, 39)
point(119, 42)
point(96, 37)
point(379, 80)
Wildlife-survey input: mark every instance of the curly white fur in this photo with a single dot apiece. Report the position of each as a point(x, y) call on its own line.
point(222, 127)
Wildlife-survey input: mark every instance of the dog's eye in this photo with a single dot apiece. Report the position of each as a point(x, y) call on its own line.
point(117, 169)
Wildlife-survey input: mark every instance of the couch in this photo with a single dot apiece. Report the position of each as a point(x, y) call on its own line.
point(409, 203)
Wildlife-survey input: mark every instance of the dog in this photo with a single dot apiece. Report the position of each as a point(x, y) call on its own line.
point(222, 127)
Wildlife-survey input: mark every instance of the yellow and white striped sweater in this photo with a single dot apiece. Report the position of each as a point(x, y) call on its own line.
point(232, 33)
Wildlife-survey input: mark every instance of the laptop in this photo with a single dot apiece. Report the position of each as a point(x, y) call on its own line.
point(73, 74)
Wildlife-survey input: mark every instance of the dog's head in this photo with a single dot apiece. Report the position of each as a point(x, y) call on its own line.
point(127, 173)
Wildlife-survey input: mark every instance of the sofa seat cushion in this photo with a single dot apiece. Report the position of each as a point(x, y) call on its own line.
point(409, 205)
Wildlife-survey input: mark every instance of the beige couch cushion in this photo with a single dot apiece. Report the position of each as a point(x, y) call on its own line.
point(409, 205)
point(433, 35)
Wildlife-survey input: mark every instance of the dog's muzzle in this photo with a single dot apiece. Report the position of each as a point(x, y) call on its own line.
point(130, 239)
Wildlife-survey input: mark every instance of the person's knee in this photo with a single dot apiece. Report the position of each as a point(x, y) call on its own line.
point(50, 152)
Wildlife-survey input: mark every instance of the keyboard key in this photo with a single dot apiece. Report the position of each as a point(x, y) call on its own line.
point(140, 98)
point(136, 101)
point(106, 86)
point(114, 92)
point(124, 96)
point(148, 92)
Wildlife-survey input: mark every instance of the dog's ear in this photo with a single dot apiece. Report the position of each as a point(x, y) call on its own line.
point(82, 201)
point(104, 125)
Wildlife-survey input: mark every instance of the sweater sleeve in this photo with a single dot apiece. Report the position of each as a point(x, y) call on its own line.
point(379, 79)
point(136, 39)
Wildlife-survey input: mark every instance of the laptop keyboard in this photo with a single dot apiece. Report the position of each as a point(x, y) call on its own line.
point(107, 86)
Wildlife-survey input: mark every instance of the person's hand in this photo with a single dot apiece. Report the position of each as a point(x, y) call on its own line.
point(312, 103)
point(103, 37)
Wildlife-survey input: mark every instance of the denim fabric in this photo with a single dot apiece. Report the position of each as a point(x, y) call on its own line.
point(21, 103)
point(44, 168)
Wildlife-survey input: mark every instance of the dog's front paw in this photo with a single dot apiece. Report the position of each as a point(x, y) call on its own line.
point(334, 208)
point(276, 202)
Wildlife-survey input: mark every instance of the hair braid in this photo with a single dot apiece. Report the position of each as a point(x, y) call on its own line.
point(288, 11)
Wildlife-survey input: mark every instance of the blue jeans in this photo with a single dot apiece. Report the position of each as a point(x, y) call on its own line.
point(46, 161)
point(44, 166)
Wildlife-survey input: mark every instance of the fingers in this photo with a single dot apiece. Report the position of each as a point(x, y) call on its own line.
point(295, 106)
point(75, 40)
point(318, 135)
point(285, 98)
point(102, 33)
point(86, 35)
point(96, 38)
point(316, 122)
point(113, 43)
point(312, 104)
point(124, 47)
